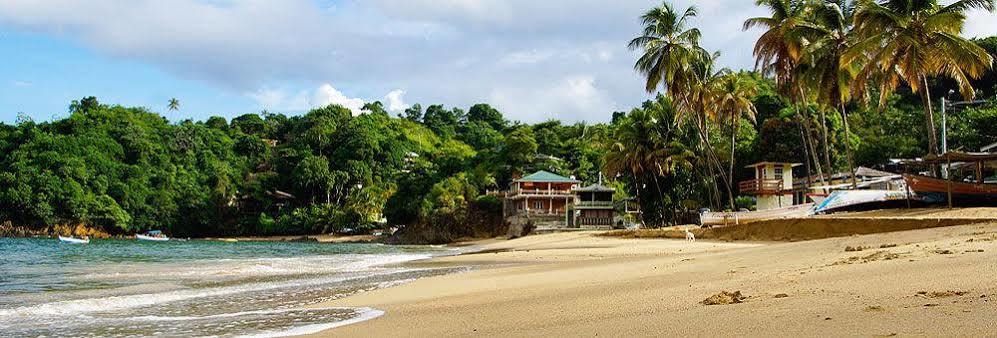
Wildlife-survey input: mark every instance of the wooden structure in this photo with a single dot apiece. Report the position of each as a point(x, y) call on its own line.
point(772, 186)
point(967, 178)
point(594, 206)
point(541, 197)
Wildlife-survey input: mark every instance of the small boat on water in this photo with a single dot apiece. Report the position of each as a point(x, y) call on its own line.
point(74, 240)
point(154, 236)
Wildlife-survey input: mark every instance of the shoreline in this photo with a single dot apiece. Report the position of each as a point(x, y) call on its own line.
point(580, 284)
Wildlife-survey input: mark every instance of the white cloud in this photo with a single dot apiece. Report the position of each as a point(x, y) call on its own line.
point(395, 100)
point(527, 57)
point(573, 98)
point(525, 54)
point(327, 94)
point(18, 83)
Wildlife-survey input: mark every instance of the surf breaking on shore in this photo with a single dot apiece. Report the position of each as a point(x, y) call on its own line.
point(107, 296)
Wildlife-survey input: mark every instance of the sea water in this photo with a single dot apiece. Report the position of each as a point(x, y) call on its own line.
point(126, 288)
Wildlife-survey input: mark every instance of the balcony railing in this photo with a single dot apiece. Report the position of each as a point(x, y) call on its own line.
point(540, 192)
point(755, 187)
point(584, 204)
point(595, 221)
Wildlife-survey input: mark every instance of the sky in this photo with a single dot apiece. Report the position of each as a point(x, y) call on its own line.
point(533, 60)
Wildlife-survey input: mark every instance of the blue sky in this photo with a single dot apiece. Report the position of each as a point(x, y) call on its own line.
point(534, 60)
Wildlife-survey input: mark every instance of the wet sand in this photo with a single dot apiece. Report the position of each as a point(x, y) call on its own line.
point(936, 282)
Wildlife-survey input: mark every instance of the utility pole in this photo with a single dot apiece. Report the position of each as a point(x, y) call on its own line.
point(945, 140)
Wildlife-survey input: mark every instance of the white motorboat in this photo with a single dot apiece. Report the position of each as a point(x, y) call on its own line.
point(73, 240)
point(155, 236)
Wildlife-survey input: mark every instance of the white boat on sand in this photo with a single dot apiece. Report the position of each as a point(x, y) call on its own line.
point(727, 218)
point(73, 240)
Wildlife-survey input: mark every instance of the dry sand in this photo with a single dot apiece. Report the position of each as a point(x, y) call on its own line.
point(935, 282)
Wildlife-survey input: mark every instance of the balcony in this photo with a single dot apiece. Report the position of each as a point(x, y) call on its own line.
point(596, 221)
point(539, 193)
point(763, 187)
point(594, 205)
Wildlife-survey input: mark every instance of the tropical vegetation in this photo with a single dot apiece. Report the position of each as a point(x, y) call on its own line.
point(837, 85)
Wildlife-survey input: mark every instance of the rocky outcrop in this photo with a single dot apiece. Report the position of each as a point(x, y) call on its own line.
point(8, 229)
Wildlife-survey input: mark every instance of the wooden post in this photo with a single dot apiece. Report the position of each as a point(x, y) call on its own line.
point(979, 172)
point(906, 185)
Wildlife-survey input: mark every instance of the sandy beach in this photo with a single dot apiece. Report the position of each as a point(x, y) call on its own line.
point(936, 282)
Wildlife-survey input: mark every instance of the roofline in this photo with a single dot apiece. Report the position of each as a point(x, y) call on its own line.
point(794, 165)
point(547, 181)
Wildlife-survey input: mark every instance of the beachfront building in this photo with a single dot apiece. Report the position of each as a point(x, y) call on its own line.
point(772, 185)
point(542, 198)
point(594, 206)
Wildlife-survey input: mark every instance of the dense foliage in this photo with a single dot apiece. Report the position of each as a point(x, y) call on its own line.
point(129, 169)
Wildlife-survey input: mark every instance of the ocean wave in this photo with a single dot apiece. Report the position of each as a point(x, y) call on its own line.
point(255, 267)
point(111, 303)
point(365, 314)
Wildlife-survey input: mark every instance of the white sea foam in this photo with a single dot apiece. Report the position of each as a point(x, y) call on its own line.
point(365, 314)
point(358, 269)
point(240, 268)
point(228, 315)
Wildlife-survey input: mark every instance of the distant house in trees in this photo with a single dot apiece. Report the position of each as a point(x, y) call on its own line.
point(551, 202)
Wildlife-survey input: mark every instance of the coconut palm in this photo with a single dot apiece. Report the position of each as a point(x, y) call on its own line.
point(645, 145)
point(778, 52)
point(779, 49)
point(910, 41)
point(174, 104)
point(829, 34)
point(732, 98)
point(668, 47)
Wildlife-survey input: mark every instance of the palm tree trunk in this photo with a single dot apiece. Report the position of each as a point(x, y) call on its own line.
point(810, 142)
point(806, 155)
point(661, 207)
point(715, 160)
point(848, 147)
point(930, 119)
point(733, 144)
point(827, 148)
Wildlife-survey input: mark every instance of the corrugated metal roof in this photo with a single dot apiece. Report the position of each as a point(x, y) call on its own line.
point(546, 177)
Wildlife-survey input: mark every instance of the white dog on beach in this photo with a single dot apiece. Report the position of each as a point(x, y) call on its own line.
point(689, 236)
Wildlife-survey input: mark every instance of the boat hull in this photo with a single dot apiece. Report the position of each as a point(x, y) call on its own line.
point(151, 238)
point(732, 218)
point(936, 190)
point(849, 198)
point(71, 240)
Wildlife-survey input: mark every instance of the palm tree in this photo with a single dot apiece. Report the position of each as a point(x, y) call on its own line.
point(829, 33)
point(779, 49)
point(778, 52)
point(668, 47)
point(672, 58)
point(733, 95)
point(910, 41)
point(174, 104)
point(644, 146)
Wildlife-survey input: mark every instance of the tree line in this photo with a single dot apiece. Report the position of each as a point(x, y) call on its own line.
point(839, 84)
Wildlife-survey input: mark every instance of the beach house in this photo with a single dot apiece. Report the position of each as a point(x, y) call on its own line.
point(550, 201)
point(772, 185)
point(594, 206)
point(542, 198)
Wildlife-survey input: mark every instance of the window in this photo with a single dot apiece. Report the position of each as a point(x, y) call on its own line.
point(778, 173)
point(538, 205)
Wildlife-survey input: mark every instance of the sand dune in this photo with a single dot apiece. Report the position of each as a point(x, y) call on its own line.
point(937, 282)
